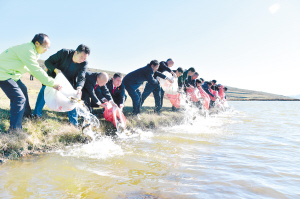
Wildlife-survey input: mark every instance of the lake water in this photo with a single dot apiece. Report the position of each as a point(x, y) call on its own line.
point(251, 151)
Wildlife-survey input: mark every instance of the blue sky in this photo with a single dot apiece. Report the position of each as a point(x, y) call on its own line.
point(250, 44)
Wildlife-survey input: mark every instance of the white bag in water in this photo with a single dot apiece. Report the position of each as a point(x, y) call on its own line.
point(169, 88)
point(60, 100)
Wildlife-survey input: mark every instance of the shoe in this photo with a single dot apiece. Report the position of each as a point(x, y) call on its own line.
point(157, 112)
point(30, 116)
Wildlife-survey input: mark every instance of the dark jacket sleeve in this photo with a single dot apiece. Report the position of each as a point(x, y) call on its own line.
point(206, 89)
point(54, 59)
point(188, 81)
point(150, 78)
point(105, 93)
point(159, 74)
point(90, 89)
point(164, 66)
point(81, 76)
point(122, 94)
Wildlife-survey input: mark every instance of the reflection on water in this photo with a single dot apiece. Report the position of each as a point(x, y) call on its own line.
point(251, 151)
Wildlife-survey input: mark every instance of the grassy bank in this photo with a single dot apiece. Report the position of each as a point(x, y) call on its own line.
point(53, 131)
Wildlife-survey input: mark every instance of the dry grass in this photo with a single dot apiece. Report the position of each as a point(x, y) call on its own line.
point(53, 131)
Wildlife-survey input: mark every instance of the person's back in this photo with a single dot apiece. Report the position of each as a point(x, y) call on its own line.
point(16, 61)
point(135, 79)
point(139, 76)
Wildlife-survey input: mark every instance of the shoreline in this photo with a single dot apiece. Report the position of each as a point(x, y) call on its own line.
point(53, 131)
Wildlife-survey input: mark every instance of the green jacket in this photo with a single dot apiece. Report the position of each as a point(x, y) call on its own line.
point(17, 60)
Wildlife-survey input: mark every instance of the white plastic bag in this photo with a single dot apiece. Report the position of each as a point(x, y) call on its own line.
point(60, 100)
point(169, 88)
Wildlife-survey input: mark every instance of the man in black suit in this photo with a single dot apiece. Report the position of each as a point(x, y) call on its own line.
point(73, 64)
point(117, 89)
point(96, 83)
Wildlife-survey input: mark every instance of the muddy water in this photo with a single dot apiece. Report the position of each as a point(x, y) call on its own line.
point(251, 151)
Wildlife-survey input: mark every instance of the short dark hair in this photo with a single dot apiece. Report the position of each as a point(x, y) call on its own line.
point(154, 62)
point(214, 81)
point(196, 73)
point(192, 69)
point(116, 75)
point(83, 48)
point(180, 70)
point(225, 88)
point(169, 59)
point(201, 79)
point(39, 38)
point(208, 83)
point(198, 81)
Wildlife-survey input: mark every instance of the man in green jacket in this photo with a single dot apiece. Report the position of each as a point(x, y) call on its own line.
point(16, 61)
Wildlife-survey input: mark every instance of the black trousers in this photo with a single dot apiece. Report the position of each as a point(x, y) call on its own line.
point(17, 93)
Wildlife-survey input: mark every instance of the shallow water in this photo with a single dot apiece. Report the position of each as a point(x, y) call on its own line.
point(251, 151)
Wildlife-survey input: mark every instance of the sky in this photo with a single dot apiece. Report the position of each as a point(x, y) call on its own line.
point(249, 44)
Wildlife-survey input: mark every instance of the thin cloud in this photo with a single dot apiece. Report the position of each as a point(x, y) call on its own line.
point(274, 8)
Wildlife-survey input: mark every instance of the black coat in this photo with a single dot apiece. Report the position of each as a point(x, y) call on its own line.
point(162, 68)
point(136, 78)
point(62, 60)
point(119, 94)
point(89, 88)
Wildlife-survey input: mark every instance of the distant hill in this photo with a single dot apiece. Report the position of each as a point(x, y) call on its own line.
point(233, 94)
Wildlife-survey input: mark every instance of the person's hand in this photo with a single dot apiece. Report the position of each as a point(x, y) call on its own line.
point(57, 71)
point(121, 107)
point(158, 78)
point(57, 87)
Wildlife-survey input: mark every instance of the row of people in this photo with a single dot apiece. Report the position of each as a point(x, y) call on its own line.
point(94, 88)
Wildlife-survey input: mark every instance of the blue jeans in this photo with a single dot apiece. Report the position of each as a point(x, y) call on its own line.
point(40, 103)
point(17, 101)
point(135, 94)
point(157, 91)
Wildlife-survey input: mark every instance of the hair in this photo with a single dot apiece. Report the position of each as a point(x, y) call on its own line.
point(116, 75)
point(198, 81)
point(154, 63)
point(214, 81)
point(196, 73)
point(201, 79)
point(169, 59)
point(192, 69)
point(83, 48)
point(180, 70)
point(208, 83)
point(39, 38)
point(225, 89)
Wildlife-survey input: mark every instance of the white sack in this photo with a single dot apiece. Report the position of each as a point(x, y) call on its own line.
point(60, 100)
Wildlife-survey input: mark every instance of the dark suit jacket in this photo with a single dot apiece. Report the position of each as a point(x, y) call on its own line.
point(61, 60)
point(119, 94)
point(162, 68)
point(206, 89)
point(90, 83)
point(136, 78)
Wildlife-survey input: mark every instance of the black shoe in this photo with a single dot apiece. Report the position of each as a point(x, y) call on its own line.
point(157, 112)
point(30, 116)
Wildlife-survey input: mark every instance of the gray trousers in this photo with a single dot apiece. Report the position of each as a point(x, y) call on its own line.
point(17, 93)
